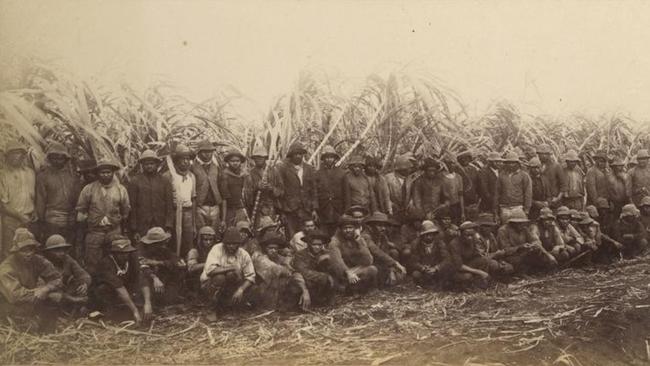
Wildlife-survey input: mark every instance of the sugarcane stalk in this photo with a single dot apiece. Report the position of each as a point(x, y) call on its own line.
point(179, 208)
point(371, 122)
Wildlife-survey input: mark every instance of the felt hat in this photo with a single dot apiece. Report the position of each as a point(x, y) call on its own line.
point(317, 234)
point(642, 154)
point(106, 163)
point(544, 149)
point(571, 155)
point(346, 219)
point(328, 150)
point(266, 222)
point(430, 162)
point(562, 211)
point(57, 148)
point(205, 145)
point(645, 201)
point(534, 162)
point(232, 153)
point(377, 218)
point(428, 227)
point(56, 241)
point(600, 154)
point(273, 238)
point(121, 244)
point(629, 210)
point(373, 161)
point(586, 221)
point(260, 151)
point(232, 236)
point(546, 214)
point(87, 165)
point(592, 211)
point(155, 235)
point(494, 156)
point(15, 146)
point(244, 225)
point(19, 245)
point(518, 216)
point(601, 202)
point(617, 162)
point(148, 155)
point(575, 214)
point(467, 225)
point(511, 157)
point(356, 160)
point(364, 211)
point(207, 230)
point(296, 148)
point(486, 219)
point(182, 150)
point(403, 162)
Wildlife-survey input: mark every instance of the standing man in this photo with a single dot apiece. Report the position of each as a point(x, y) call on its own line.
point(184, 194)
point(597, 181)
point(329, 185)
point(231, 185)
point(17, 193)
point(357, 189)
point(514, 189)
point(638, 185)
point(540, 188)
point(151, 198)
point(552, 171)
point(487, 182)
point(378, 184)
point(397, 181)
point(57, 189)
point(470, 184)
point(104, 206)
point(297, 181)
point(208, 195)
point(429, 195)
point(572, 188)
point(260, 187)
point(618, 182)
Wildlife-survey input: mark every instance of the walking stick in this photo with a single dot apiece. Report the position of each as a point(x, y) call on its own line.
point(179, 208)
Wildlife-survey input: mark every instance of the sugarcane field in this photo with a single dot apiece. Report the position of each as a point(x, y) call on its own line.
point(324, 183)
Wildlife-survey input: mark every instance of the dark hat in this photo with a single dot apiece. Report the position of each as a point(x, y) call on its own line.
point(107, 163)
point(155, 235)
point(378, 218)
point(58, 149)
point(431, 163)
point(364, 210)
point(346, 219)
point(373, 161)
point(56, 241)
point(234, 152)
point(87, 165)
point(328, 151)
point(121, 244)
point(148, 155)
point(356, 160)
point(273, 238)
point(205, 145)
point(296, 148)
point(316, 234)
point(486, 219)
point(182, 150)
point(600, 154)
point(232, 236)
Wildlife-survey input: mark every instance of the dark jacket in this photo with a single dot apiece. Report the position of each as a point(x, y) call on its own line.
point(597, 184)
point(152, 203)
point(487, 188)
point(329, 185)
point(553, 174)
point(307, 265)
point(442, 256)
point(428, 193)
point(56, 193)
point(293, 194)
point(346, 254)
point(207, 182)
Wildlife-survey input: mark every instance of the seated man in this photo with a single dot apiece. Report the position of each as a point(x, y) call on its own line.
point(551, 237)
point(386, 254)
point(161, 267)
point(74, 278)
point(351, 259)
point(571, 237)
point(21, 293)
point(630, 232)
point(278, 284)
point(119, 274)
point(314, 266)
point(250, 244)
point(520, 246)
point(475, 266)
point(644, 206)
point(431, 262)
point(603, 249)
point(228, 273)
point(197, 255)
point(297, 243)
point(447, 227)
point(486, 230)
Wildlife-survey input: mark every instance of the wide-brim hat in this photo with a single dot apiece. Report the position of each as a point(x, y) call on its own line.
point(155, 235)
point(205, 145)
point(592, 211)
point(316, 234)
point(232, 236)
point(24, 244)
point(266, 222)
point(428, 227)
point(56, 241)
point(645, 201)
point(356, 160)
point(587, 221)
point(629, 210)
point(232, 153)
point(617, 162)
point(148, 155)
point(486, 219)
point(562, 211)
point(273, 238)
point(329, 151)
point(571, 155)
point(511, 157)
point(107, 163)
point(546, 214)
point(207, 230)
point(56, 148)
point(182, 150)
point(377, 218)
point(295, 148)
point(518, 216)
point(121, 244)
point(467, 225)
point(544, 149)
point(244, 225)
point(364, 211)
point(346, 219)
point(600, 154)
point(642, 154)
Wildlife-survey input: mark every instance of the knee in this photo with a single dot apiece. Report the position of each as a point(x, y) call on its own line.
point(231, 277)
point(372, 271)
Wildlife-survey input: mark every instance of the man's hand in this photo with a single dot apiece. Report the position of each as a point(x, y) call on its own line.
point(82, 289)
point(314, 215)
point(41, 293)
point(352, 277)
point(238, 296)
point(484, 275)
point(305, 301)
point(181, 263)
point(400, 267)
point(148, 312)
point(330, 281)
point(137, 317)
point(158, 286)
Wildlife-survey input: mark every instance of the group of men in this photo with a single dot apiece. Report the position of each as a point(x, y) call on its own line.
point(79, 237)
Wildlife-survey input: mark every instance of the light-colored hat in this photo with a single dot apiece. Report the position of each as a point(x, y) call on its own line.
point(155, 235)
point(546, 214)
point(328, 150)
point(428, 227)
point(544, 149)
point(467, 225)
point(494, 156)
point(518, 216)
point(107, 163)
point(15, 146)
point(645, 201)
point(511, 157)
point(260, 151)
point(207, 230)
point(56, 147)
point(562, 211)
point(629, 210)
point(232, 153)
point(56, 241)
point(148, 155)
point(23, 244)
point(534, 162)
point(121, 244)
point(571, 155)
point(592, 211)
point(356, 160)
point(642, 154)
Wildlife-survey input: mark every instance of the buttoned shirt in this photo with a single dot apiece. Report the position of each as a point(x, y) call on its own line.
point(17, 189)
point(219, 258)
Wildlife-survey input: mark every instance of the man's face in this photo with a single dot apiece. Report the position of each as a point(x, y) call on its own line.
point(348, 231)
point(590, 230)
point(403, 172)
point(105, 175)
point(149, 166)
point(547, 223)
point(245, 233)
point(544, 158)
point(618, 169)
point(121, 257)
point(234, 163)
point(600, 163)
point(445, 222)
point(356, 169)
point(571, 164)
point(563, 221)
point(205, 155)
point(296, 158)
point(485, 230)
point(89, 176)
point(231, 248)
point(57, 160)
point(310, 225)
point(371, 170)
point(469, 235)
point(26, 253)
point(511, 166)
point(329, 160)
point(58, 253)
point(464, 161)
point(428, 241)
point(183, 163)
point(643, 162)
point(259, 161)
point(519, 226)
point(207, 240)
point(316, 246)
point(357, 214)
point(645, 210)
point(273, 252)
point(377, 228)
point(535, 171)
point(431, 172)
point(15, 158)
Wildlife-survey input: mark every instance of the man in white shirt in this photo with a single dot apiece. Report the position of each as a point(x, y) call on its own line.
point(184, 194)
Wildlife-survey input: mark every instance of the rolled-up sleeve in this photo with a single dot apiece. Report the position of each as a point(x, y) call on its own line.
point(248, 271)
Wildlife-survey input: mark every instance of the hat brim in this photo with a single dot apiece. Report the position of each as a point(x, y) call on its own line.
point(518, 221)
point(335, 155)
point(156, 241)
point(231, 155)
point(63, 153)
point(430, 231)
point(486, 223)
point(154, 158)
point(377, 221)
point(113, 167)
point(547, 217)
point(58, 246)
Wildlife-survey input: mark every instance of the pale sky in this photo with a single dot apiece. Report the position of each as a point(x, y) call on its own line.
point(549, 57)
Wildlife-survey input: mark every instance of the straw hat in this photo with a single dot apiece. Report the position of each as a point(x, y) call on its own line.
point(148, 155)
point(58, 149)
point(546, 214)
point(232, 153)
point(428, 227)
point(155, 235)
point(467, 225)
point(629, 210)
point(544, 149)
point(571, 155)
point(562, 211)
point(518, 216)
point(260, 152)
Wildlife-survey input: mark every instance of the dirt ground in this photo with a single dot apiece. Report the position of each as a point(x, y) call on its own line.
point(591, 316)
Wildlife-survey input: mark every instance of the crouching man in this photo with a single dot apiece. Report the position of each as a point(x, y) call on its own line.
point(313, 263)
point(119, 274)
point(21, 293)
point(351, 258)
point(75, 279)
point(432, 263)
point(196, 257)
point(630, 232)
point(163, 270)
point(228, 273)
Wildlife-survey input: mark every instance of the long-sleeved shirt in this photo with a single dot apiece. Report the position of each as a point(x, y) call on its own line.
point(618, 189)
point(329, 188)
point(509, 239)
point(570, 235)
point(572, 185)
point(379, 255)
point(151, 199)
point(17, 189)
point(638, 183)
point(358, 191)
point(252, 186)
point(18, 280)
point(72, 274)
point(441, 255)
point(307, 265)
point(514, 189)
point(56, 195)
point(231, 186)
point(470, 184)
point(597, 183)
point(550, 236)
point(99, 201)
point(453, 184)
point(346, 254)
point(397, 191)
point(128, 276)
point(168, 258)
point(218, 257)
point(382, 194)
point(429, 193)
point(553, 173)
point(196, 258)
